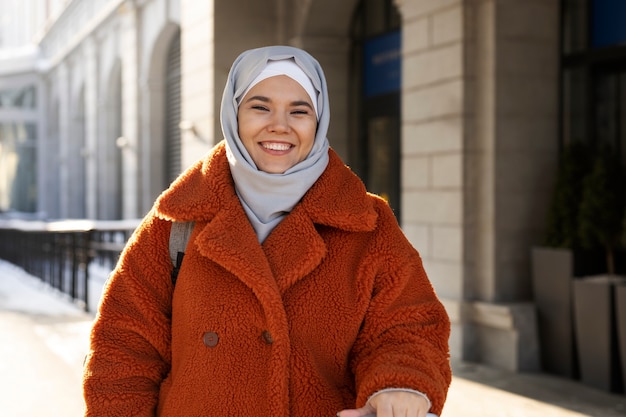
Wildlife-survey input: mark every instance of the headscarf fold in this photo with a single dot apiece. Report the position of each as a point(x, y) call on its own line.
point(289, 68)
point(268, 198)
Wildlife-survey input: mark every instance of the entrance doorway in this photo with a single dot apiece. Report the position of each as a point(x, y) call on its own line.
point(375, 97)
point(594, 74)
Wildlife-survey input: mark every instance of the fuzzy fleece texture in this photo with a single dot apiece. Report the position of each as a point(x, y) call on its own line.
point(334, 306)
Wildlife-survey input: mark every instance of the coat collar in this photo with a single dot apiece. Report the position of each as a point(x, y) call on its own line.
point(200, 192)
point(205, 193)
point(338, 199)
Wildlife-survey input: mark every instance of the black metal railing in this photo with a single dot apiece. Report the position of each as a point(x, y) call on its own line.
point(62, 253)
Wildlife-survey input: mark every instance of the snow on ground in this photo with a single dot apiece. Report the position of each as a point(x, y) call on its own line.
point(21, 292)
point(44, 338)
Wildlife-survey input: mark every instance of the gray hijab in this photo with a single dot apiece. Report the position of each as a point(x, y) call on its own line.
point(268, 198)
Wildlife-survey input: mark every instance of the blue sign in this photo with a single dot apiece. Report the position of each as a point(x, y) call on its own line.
point(609, 23)
point(382, 66)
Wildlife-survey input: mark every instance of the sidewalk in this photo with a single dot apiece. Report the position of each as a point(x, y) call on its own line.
point(477, 390)
point(44, 338)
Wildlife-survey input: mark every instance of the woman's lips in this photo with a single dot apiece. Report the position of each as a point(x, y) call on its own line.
point(276, 146)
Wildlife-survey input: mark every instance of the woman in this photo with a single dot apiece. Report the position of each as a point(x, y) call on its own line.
point(298, 295)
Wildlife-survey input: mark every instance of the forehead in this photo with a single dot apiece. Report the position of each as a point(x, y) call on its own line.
point(278, 85)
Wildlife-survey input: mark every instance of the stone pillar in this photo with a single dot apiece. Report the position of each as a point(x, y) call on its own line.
point(524, 134)
point(152, 132)
point(511, 150)
point(109, 154)
point(91, 127)
point(433, 143)
point(479, 141)
point(200, 98)
point(130, 114)
point(64, 135)
point(47, 166)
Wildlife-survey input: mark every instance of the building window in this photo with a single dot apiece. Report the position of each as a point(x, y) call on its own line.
point(18, 174)
point(375, 98)
point(593, 75)
point(18, 149)
point(608, 24)
point(575, 23)
point(18, 98)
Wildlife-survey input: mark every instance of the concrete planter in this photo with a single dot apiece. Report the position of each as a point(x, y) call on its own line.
point(596, 332)
point(552, 273)
point(620, 316)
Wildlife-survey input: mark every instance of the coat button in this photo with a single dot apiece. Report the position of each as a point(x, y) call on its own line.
point(210, 339)
point(267, 337)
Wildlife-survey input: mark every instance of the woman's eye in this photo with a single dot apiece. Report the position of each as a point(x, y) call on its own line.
point(299, 111)
point(258, 107)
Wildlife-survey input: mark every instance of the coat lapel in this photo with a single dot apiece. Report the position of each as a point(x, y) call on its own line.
point(229, 240)
point(205, 193)
point(338, 199)
point(294, 249)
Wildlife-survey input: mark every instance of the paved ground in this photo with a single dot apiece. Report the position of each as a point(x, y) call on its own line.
point(481, 391)
point(43, 340)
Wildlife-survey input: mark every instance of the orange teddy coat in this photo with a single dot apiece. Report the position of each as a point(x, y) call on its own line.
point(332, 307)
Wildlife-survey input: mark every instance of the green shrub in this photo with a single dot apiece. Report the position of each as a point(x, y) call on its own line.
point(562, 220)
point(601, 211)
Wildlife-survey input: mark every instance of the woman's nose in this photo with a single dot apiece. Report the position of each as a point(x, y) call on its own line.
point(279, 123)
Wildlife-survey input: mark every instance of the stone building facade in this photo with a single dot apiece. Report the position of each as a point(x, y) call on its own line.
point(128, 94)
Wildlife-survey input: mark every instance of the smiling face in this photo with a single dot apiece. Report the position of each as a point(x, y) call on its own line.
point(277, 124)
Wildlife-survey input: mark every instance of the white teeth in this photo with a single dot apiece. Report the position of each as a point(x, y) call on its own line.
point(276, 146)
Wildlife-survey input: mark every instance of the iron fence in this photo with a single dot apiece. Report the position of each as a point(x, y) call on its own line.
point(61, 253)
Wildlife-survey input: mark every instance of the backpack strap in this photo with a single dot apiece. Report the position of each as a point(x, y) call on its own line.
point(179, 236)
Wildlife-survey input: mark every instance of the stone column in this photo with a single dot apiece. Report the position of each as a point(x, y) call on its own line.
point(47, 166)
point(130, 114)
point(64, 135)
point(511, 148)
point(91, 127)
point(433, 143)
point(479, 140)
point(200, 99)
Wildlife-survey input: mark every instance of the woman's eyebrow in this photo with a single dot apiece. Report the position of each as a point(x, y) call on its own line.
point(260, 98)
point(268, 100)
point(301, 103)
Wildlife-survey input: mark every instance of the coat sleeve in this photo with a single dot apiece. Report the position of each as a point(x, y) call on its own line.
point(403, 342)
point(130, 340)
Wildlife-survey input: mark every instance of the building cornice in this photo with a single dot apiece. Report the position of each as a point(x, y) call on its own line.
point(18, 60)
point(75, 23)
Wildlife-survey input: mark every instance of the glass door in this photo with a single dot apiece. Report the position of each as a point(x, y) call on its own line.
point(375, 86)
point(382, 153)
